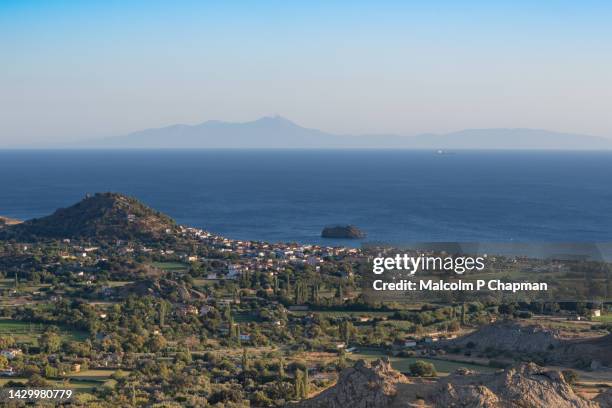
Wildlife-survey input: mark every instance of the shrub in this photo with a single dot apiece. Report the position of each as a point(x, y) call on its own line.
point(422, 368)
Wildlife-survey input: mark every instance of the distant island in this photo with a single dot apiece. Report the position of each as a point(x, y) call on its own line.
point(342, 231)
point(279, 133)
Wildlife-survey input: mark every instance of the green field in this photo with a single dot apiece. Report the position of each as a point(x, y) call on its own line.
point(77, 385)
point(403, 363)
point(202, 282)
point(607, 318)
point(82, 382)
point(29, 332)
point(171, 266)
point(9, 283)
point(93, 375)
point(344, 313)
point(117, 284)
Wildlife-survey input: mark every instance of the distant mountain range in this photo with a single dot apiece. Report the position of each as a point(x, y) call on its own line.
point(278, 132)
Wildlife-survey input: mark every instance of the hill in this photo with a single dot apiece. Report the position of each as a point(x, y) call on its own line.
point(278, 132)
point(103, 216)
point(366, 385)
point(377, 385)
point(543, 342)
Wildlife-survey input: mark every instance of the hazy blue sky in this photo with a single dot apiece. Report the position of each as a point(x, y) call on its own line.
point(85, 69)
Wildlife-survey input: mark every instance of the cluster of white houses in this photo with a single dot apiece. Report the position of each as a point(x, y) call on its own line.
point(263, 256)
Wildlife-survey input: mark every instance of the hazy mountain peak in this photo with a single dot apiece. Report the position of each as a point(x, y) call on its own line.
point(275, 119)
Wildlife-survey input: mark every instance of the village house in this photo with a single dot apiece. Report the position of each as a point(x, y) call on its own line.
point(7, 372)
point(11, 353)
point(185, 310)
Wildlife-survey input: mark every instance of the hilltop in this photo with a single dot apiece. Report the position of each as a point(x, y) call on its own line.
point(104, 216)
point(366, 385)
point(278, 132)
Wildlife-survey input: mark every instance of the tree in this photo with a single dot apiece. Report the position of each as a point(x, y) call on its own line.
point(157, 343)
point(281, 369)
point(50, 342)
point(3, 362)
point(506, 308)
point(36, 381)
point(422, 368)
point(305, 384)
point(299, 384)
point(162, 313)
point(346, 331)
point(342, 359)
point(6, 341)
point(245, 360)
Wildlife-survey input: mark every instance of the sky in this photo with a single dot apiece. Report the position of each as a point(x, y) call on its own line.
point(74, 70)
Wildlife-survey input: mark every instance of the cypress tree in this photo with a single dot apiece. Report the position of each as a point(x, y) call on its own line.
point(245, 360)
point(305, 384)
point(162, 313)
point(298, 384)
point(281, 369)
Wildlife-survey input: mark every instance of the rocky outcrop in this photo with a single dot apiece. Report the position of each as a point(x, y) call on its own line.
point(343, 231)
point(511, 336)
point(523, 386)
point(366, 385)
point(526, 385)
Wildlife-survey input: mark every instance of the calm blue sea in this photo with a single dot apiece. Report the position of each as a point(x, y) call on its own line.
point(284, 195)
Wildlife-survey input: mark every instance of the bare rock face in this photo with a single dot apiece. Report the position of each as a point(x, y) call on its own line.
point(366, 385)
point(526, 385)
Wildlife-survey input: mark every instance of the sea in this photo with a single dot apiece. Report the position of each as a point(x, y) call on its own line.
point(394, 196)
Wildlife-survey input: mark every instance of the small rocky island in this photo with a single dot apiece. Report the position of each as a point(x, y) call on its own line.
point(343, 231)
